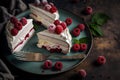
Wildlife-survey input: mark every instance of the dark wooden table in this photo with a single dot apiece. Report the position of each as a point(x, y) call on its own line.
point(108, 45)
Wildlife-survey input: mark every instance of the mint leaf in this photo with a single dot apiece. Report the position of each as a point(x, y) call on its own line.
point(96, 30)
point(100, 18)
point(36, 27)
point(84, 40)
point(75, 41)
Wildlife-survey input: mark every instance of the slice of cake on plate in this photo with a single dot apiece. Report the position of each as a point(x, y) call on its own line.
point(44, 12)
point(18, 32)
point(55, 39)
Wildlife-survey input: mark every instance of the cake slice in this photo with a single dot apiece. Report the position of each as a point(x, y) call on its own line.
point(44, 12)
point(18, 33)
point(55, 42)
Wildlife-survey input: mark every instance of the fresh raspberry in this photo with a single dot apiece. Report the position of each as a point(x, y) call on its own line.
point(76, 32)
point(82, 73)
point(52, 50)
point(18, 25)
point(68, 21)
point(53, 9)
point(81, 27)
point(83, 46)
point(47, 64)
point(14, 31)
point(76, 47)
point(47, 7)
point(52, 28)
point(59, 29)
point(88, 10)
point(101, 60)
point(64, 25)
point(23, 21)
point(13, 20)
point(57, 22)
point(58, 50)
point(58, 65)
point(44, 2)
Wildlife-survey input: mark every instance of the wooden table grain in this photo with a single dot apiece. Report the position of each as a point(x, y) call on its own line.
point(108, 45)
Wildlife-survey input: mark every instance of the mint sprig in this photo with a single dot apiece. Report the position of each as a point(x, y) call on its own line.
point(81, 40)
point(98, 19)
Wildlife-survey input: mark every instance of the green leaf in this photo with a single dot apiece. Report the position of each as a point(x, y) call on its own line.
point(96, 30)
point(36, 27)
point(75, 41)
point(100, 18)
point(84, 40)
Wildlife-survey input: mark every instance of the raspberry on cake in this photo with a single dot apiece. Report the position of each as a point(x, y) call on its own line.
point(17, 35)
point(44, 13)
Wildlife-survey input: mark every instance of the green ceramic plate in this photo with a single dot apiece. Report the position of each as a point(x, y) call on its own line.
point(36, 67)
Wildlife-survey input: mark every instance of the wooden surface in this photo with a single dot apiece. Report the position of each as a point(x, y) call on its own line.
point(108, 45)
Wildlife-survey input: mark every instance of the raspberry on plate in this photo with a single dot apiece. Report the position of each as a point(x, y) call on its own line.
point(83, 46)
point(23, 21)
point(82, 73)
point(76, 47)
point(68, 21)
point(59, 29)
point(76, 32)
point(18, 25)
point(47, 64)
point(81, 27)
point(53, 9)
point(57, 22)
point(58, 65)
point(52, 28)
point(64, 25)
point(101, 60)
point(13, 20)
point(14, 31)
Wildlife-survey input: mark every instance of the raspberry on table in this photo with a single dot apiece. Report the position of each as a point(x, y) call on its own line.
point(14, 32)
point(81, 27)
point(23, 21)
point(83, 46)
point(58, 65)
point(59, 29)
point(101, 60)
point(76, 32)
point(82, 73)
point(76, 47)
point(47, 64)
point(68, 21)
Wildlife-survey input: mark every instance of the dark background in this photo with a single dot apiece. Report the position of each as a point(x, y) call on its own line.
point(108, 45)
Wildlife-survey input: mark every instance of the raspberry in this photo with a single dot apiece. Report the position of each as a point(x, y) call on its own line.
point(58, 50)
point(88, 10)
point(52, 50)
point(81, 27)
point(18, 25)
point(13, 20)
point(53, 9)
point(58, 29)
point(58, 65)
point(47, 7)
point(64, 25)
point(101, 60)
point(76, 47)
point(44, 2)
point(57, 22)
point(52, 28)
point(82, 73)
point(14, 31)
point(23, 21)
point(47, 64)
point(68, 21)
point(76, 32)
point(83, 46)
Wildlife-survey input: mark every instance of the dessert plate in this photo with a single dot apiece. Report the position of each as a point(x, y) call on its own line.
point(36, 67)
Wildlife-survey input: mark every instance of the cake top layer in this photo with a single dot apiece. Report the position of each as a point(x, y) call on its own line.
point(50, 7)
